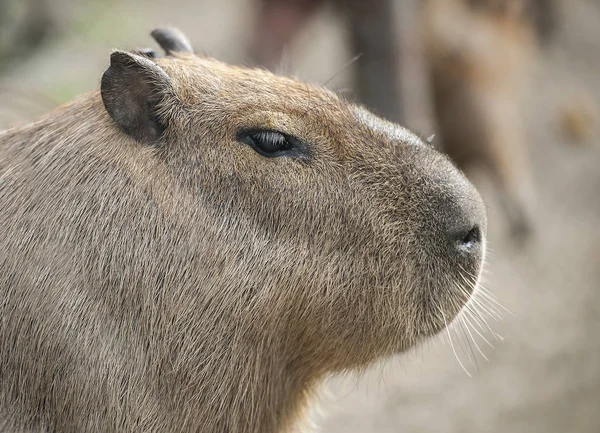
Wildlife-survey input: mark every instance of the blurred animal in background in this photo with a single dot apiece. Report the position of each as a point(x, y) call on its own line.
point(544, 15)
point(372, 35)
point(24, 26)
point(578, 119)
point(480, 55)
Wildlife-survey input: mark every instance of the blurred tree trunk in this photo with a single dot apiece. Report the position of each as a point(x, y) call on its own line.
point(374, 35)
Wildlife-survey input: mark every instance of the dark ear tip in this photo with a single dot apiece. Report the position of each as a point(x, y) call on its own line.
point(126, 59)
point(119, 58)
point(158, 32)
point(166, 33)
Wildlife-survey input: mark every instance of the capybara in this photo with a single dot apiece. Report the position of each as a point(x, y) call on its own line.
point(196, 246)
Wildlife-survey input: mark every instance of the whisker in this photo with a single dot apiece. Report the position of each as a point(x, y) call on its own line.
point(454, 326)
point(490, 297)
point(452, 344)
point(343, 68)
point(469, 340)
point(480, 319)
point(466, 326)
point(488, 308)
point(485, 307)
point(477, 332)
point(491, 301)
point(484, 326)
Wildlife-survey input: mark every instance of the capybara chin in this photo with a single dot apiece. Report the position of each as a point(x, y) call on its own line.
point(194, 247)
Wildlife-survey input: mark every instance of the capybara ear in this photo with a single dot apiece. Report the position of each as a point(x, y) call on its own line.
point(172, 40)
point(132, 88)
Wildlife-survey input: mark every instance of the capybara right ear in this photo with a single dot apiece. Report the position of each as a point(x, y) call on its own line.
point(132, 89)
point(172, 40)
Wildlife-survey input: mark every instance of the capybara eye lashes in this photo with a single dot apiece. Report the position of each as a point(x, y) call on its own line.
point(270, 143)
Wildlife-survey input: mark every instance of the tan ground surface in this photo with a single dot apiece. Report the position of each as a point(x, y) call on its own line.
point(545, 377)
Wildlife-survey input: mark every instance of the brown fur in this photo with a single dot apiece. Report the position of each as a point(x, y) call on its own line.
point(191, 284)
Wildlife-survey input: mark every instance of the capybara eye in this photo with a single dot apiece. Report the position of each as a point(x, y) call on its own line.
point(270, 143)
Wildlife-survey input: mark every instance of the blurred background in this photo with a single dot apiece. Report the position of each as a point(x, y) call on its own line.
point(511, 89)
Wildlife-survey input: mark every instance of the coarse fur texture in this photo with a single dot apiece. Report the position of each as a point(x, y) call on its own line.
point(173, 279)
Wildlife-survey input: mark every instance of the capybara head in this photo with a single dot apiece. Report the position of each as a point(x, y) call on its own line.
point(193, 247)
point(334, 235)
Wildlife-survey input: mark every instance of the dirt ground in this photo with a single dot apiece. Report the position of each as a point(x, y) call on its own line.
point(545, 375)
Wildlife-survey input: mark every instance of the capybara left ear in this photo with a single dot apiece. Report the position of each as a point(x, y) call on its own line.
point(132, 88)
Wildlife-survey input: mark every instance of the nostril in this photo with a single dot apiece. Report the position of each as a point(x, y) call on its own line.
point(473, 236)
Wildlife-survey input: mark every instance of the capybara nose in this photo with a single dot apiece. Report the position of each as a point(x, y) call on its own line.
point(466, 223)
